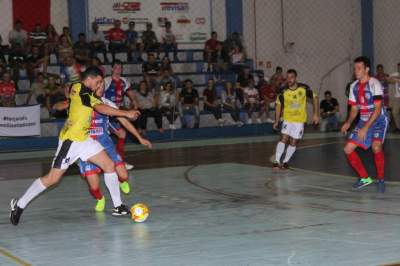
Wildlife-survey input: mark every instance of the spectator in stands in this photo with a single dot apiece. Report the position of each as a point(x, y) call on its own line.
point(68, 35)
point(151, 69)
point(229, 104)
point(52, 40)
point(150, 41)
point(3, 51)
point(394, 79)
point(64, 49)
point(237, 59)
point(268, 94)
point(251, 102)
point(212, 103)
point(146, 102)
point(117, 38)
point(70, 72)
point(239, 92)
point(95, 61)
point(229, 44)
point(38, 38)
point(329, 113)
point(279, 76)
point(189, 99)
point(244, 76)
point(168, 43)
point(97, 42)
point(166, 64)
point(18, 39)
point(82, 50)
point(168, 104)
point(167, 76)
point(36, 62)
point(211, 51)
point(133, 44)
point(383, 78)
point(55, 94)
point(38, 90)
point(7, 91)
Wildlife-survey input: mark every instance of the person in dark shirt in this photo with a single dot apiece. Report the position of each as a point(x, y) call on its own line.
point(212, 102)
point(329, 108)
point(189, 99)
point(135, 48)
point(82, 50)
point(150, 41)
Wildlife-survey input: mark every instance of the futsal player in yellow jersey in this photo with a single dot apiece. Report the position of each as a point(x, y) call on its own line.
point(75, 143)
point(291, 105)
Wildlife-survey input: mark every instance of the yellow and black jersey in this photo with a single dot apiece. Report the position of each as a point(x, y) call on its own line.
point(82, 100)
point(294, 103)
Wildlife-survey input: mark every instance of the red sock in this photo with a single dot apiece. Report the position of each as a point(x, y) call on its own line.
point(357, 164)
point(379, 164)
point(121, 148)
point(96, 193)
point(121, 180)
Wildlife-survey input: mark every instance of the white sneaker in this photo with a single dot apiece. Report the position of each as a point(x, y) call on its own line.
point(269, 120)
point(259, 121)
point(172, 126)
point(239, 123)
point(249, 121)
point(221, 122)
point(129, 166)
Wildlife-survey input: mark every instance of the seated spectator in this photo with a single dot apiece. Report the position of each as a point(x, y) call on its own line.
point(251, 102)
point(244, 76)
point(18, 39)
point(212, 49)
point(189, 99)
point(68, 35)
point(212, 103)
point(268, 94)
point(169, 43)
point(166, 64)
point(82, 50)
point(55, 94)
point(97, 42)
point(117, 38)
point(64, 49)
point(3, 51)
point(168, 104)
point(237, 59)
point(7, 91)
point(52, 40)
point(229, 104)
point(36, 62)
point(166, 76)
point(38, 38)
point(38, 91)
point(146, 103)
point(151, 68)
point(95, 61)
point(150, 41)
point(70, 72)
point(329, 113)
point(133, 44)
point(229, 44)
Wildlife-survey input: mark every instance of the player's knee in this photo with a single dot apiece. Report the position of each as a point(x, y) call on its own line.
point(285, 139)
point(348, 149)
point(376, 147)
point(109, 166)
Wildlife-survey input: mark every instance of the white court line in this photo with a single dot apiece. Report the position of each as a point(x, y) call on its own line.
point(324, 188)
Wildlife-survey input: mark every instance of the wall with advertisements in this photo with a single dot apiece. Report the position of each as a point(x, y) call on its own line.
point(191, 19)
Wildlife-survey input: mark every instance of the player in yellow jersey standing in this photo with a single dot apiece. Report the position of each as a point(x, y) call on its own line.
point(75, 143)
point(291, 105)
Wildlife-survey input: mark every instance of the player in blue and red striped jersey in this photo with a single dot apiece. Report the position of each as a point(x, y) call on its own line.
point(366, 98)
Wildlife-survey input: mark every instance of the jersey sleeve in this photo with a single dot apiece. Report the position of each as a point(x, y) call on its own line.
point(376, 90)
point(109, 103)
point(352, 96)
point(280, 99)
point(88, 98)
point(127, 85)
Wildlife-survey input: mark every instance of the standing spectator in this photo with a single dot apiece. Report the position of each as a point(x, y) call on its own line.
point(117, 38)
point(64, 49)
point(18, 39)
point(395, 101)
point(82, 50)
point(7, 91)
point(169, 41)
point(189, 99)
point(237, 59)
point(146, 103)
point(38, 90)
point(52, 40)
point(37, 37)
point(67, 34)
point(151, 68)
point(132, 43)
point(251, 102)
point(212, 103)
point(383, 78)
point(168, 103)
point(211, 51)
point(268, 93)
point(97, 42)
point(150, 41)
point(329, 109)
point(228, 98)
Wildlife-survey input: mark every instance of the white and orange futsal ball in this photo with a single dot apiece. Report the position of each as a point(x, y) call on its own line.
point(139, 212)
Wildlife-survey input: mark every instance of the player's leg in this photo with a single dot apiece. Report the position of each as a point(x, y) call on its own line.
point(356, 164)
point(90, 172)
point(280, 147)
point(290, 150)
point(379, 134)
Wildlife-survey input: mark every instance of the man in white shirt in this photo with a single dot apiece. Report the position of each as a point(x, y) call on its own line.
point(169, 41)
point(96, 40)
point(394, 79)
point(18, 38)
point(251, 102)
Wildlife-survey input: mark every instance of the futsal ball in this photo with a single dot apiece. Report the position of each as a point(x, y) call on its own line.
point(139, 212)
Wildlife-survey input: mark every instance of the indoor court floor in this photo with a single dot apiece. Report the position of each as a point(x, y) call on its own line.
point(212, 202)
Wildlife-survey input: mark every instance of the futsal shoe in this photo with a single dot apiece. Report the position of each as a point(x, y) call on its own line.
point(125, 187)
point(16, 212)
point(276, 166)
point(100, 205)
point(129, 166)
point(285, 166)
point(121, 210)
point(380, 186)
point(362, 182)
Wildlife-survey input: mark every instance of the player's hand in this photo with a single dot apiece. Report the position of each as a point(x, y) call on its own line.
point(345, 128)
point(276, 125)
point(146, 143)
point(132, 114)
point(315, 119)
point(362, 133)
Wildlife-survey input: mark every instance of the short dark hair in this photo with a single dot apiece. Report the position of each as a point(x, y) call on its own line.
point(188, 80)
point(379, 65)
point(278, 68)
point(328, 93)
point(363, 59)
point(116, 62)
point(91, 71)
point(81, 35)
point(168, 23)
point(292, 71)
point(214, 32)
point(18, 22)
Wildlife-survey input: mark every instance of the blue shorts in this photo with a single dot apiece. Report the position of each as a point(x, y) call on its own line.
point(87, 168)
point(376, 132)
point(115, 125)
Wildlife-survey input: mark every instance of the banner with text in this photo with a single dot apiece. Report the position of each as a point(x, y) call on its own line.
point(20, 121)
point(190, 19)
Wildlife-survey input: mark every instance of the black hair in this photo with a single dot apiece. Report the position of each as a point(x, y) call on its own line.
point(292, 71)
point(328, 93)
point(278, 68)
point(81, 34)
point(363, 59)
point(91, 71)
point(116, 62)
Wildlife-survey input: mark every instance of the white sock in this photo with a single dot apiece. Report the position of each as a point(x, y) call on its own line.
point(280, 148)
point(35, 189)
point(112, 183)
point(289, 153)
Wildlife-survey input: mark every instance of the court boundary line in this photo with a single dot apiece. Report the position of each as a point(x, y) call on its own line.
point(13, 258)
